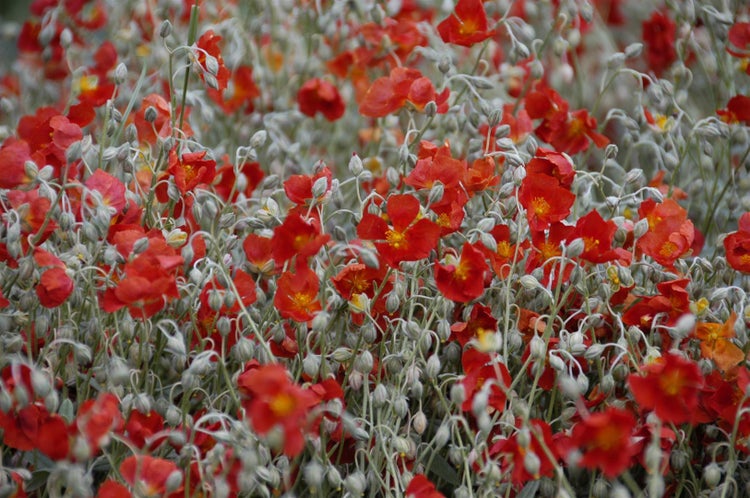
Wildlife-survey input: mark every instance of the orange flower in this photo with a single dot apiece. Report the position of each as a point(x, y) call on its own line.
point(670, 387)
point(716, 343)
point(390, 93)
point(297, 295)
point(239, 94)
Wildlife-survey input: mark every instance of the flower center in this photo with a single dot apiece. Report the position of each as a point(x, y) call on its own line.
point(395, 239)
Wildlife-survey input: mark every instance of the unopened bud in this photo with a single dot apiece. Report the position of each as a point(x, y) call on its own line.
point(165, 29)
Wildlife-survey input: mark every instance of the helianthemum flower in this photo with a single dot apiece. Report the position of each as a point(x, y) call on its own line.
point(716, 343)
point(273, 400)
point(464, 280)
point(297, 294)
point(737, 245)
point(605, 441)
point(466, 25)
point(408, 238)
point(320, 96)
point(670, 386)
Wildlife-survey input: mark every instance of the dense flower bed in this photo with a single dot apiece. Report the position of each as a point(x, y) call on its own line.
point(404, 248)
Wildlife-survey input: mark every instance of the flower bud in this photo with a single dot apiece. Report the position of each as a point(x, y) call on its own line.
point(640, 228)
point(165, 29)
point(537, 348)
point(433, 367)
point(712, 475)
point(380, 395)
point(419, 422)
point(575, 248)
point(532, 463)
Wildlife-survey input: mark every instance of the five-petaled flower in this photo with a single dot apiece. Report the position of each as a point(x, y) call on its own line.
point(271, 400)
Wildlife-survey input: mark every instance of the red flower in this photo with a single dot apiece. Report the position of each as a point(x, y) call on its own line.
point(13, 156)
point(143, 426)
point(545, 201)
point(670, 387)
point(191, 169)
point(672, 302)
point(438, 167)
point(55, 286)
point(113, 489)
point(259, 253)
point(408, 238)
point(659, 37)
point(480, 323)
point(318, 95)
point(597, 235)
point(98, 418)
point(149, 281)
point(33, 427)
point(110, 189)
point(737, 245)
point(567, 132)
point(208, 45)
point(540, 442)
point(737, 111)
point(421, 487)
point(605, 439)
point(502, 259)
point(467, 25)
point(227, 182)
point(390, 93)
point(297, 294)
point(32, 210)
point(148, 476)
point(670, 234)
point(464, 281)
point(482, 371)
point(739, 41)
point(298, 188)
point(357, 280)
point(274, 400)
point(161, 126)
point(552, 163)
point(49, 135)
point(297, 237)
point(481, 175)
point(574, 134)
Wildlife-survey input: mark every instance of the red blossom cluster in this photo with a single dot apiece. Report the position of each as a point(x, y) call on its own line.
point(198, 298)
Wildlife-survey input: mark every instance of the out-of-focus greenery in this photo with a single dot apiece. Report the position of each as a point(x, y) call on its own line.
point(14, 10)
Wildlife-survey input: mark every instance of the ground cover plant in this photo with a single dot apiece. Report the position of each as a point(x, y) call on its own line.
point(383, 249)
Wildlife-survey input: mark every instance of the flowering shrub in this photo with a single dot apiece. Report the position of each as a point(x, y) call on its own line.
point(361, 248)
